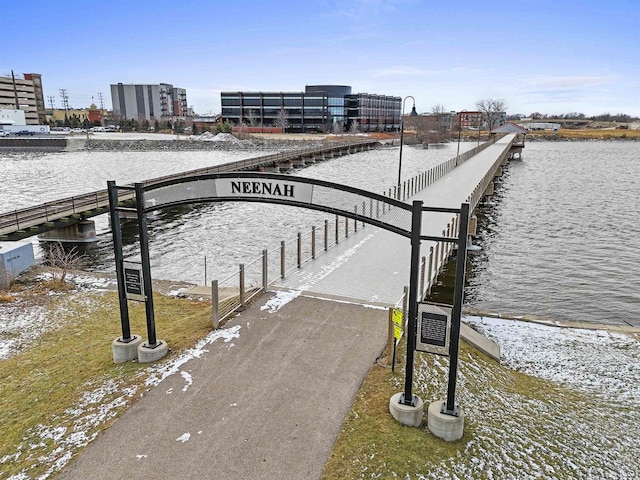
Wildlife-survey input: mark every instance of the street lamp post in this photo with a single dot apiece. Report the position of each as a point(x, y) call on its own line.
point(459, 133)
point(412, 114)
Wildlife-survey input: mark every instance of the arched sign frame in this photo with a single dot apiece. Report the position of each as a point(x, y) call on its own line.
point(390, 214)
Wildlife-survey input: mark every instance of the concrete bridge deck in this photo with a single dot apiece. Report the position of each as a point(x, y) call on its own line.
point(372, 265)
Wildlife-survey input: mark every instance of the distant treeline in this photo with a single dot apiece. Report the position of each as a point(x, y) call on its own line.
point(604, 117)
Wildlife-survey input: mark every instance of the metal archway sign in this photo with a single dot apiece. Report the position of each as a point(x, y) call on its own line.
point(375, 209)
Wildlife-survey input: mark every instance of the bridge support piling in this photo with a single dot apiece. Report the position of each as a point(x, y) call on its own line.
point(490, 189)
point(83, 231)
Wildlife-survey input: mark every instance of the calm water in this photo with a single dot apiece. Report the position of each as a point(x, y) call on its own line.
point(560, 238)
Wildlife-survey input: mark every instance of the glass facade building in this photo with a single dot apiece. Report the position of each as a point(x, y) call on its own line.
point(320, 108)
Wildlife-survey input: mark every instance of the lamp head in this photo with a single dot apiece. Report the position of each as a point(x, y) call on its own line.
point(413, 111)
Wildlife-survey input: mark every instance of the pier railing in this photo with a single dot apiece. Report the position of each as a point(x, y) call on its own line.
point(292, 254)
point(232, 293)
point(95, 203)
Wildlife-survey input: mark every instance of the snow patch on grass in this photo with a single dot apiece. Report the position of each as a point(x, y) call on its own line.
point(81, 424)
point(597, 361)
point(586, 428)
point(20, 324)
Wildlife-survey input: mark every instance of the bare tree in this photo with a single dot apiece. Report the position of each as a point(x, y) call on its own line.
point(491, 110)
point(355, 127)
point(251, 118)
point(62, 261)
point(442, 125)
point(337, 128)
point(282, 119)
point(438, 109)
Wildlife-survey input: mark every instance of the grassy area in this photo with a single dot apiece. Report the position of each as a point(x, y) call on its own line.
point(587, 134)
point(516, 426)
point(60, 392)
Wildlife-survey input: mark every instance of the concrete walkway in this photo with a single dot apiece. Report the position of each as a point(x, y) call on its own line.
point(267, 405)
point(373, 264)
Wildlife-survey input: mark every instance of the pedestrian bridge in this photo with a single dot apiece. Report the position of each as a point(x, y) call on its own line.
point(377, 261)
point(68, 216)
point(381, 261)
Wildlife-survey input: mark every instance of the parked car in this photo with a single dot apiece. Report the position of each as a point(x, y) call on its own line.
point(24, 132)
point(78, 130)
point(4, 133)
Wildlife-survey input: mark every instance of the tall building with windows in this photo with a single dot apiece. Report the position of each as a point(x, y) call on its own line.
point(24, 93)
point(320, 108)
point(148, 102)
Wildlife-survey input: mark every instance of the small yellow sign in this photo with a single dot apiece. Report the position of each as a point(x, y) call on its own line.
point(396, 317)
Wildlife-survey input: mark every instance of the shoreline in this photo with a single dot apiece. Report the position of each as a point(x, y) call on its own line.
point(280, 142)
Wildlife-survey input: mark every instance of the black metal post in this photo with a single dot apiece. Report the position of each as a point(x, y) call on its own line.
point(461, 261)
point(458, 151)
point(407, 398)
point(413, 112)
point(146, 266)
point(401, 142)
point(116, 233)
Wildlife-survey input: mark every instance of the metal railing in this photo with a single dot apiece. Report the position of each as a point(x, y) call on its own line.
point(292, 254)
point(94, 203)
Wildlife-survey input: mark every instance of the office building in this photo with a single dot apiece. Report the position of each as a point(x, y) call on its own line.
point(148, 102)
point(24, 93)
point(320, 108)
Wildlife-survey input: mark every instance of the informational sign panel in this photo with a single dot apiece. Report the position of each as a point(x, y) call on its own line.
point(264, 188)
point(434, 327)
point(396, 317)
point(133, 285)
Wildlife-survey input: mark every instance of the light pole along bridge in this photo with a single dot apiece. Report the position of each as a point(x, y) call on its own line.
point(71, 213)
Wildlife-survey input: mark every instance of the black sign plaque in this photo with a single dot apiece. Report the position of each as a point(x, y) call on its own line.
point(434, 325)
point(433, 329)
point(133, 282)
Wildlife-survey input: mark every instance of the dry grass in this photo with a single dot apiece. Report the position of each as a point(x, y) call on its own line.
point(6, 298)
point(588, 134)
point(373, 445)
point(43, 383)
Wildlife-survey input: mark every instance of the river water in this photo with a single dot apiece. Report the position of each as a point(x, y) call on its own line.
point(558, 239)
point(561, 238)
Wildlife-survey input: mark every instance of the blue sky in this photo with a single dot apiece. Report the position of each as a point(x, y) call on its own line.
point(539, 56)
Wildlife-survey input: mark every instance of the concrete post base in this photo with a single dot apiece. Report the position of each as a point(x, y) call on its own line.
point(146, 354)
point(447, 427)
point(125, 351)
point(406, 414)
